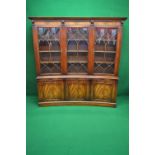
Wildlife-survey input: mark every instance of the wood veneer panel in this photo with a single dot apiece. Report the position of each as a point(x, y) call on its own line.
point(47, 23)
point(103, 90)
point(107, 24)
point(51, 90)
point(77, 89)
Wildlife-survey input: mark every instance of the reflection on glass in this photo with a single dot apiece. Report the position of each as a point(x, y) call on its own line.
point(105, 49)
point(49, 47)
point(77, 46)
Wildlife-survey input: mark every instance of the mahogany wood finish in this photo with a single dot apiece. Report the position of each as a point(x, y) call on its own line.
point(77, 89)
point(103, 90)
point(77, 59)
point(36, 48)
point(63, 46)
point(91, 49)
point(113, 19)
point(118, 49)
point(78, 77)
point(51, 90)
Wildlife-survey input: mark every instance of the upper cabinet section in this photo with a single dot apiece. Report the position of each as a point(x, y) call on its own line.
point(67, 45)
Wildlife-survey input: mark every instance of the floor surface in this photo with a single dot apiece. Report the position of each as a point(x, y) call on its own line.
point(77, 130)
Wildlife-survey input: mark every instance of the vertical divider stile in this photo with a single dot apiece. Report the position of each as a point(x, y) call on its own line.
point(63, 48)
point(36, 48)
point(91, 46)
point(118, 49)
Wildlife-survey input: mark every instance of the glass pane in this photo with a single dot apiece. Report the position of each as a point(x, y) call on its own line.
point(77, 50)
point(105, 49)
point(49, 48)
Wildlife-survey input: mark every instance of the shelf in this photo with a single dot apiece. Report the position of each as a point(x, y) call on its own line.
point(104, 62)
point(51, 74)
point(77, 51)
point(103, 74)
point(49, 62)
point(106, 40)
point(49, 40)
point(74, 61)
point(77, 39)
point(77, 73)
point(105, 51)
point(53, 51)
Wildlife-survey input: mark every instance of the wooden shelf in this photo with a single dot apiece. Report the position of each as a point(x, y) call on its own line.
point(49, 40)
point(106, 40)
point(53, 51)
point(77, 73)
point(77, 51)
point(74, 61)
point(105, 51)
point(77, 39)
point(103, 74)
point(49, 62)
point(104, 62)
point(51, 74)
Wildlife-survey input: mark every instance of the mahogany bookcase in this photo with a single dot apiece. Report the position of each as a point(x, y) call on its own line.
point(77, 59)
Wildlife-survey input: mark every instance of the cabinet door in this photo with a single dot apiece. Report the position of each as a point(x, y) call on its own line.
point(77, 90)
point(103, 90)
point(49, 50)
point(51, 90)
point(105, 50)
point(77, 50)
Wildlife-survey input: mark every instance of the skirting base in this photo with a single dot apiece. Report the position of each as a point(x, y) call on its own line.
point(76, 103)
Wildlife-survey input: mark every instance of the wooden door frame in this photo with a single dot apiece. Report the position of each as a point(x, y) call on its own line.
point(118, 49)
point(91, 46)
point(63, 49)
point(36, 48)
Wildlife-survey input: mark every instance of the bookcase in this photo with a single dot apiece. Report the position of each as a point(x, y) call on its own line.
point(77, 59)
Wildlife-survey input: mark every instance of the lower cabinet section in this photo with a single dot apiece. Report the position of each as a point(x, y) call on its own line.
point(77, 92)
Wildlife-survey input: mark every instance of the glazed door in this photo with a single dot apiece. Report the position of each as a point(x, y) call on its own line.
point(49, 50)
point(105, 50)
point(77, 50)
